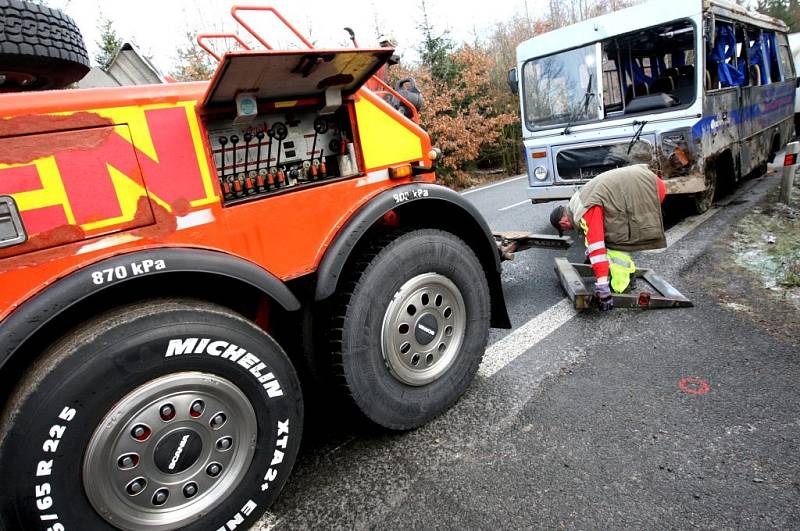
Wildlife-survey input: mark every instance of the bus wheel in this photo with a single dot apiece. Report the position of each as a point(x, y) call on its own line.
point(702, 201)
point(161, 415)
point(410, 328)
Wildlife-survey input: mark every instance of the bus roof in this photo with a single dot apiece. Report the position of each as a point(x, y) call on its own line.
point(634, 18)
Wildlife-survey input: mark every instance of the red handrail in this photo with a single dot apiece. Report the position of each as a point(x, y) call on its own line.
point(235, 14)
point(201, 38)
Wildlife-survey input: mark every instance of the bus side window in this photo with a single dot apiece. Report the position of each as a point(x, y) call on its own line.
point(771, 50)
point(785, 54)
point(755, 56)
point(712, 67)
point(723, 68)
point(743, 60)
point(612, 88)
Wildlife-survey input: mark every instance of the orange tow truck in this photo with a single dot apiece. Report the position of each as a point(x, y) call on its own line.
point(173, 256)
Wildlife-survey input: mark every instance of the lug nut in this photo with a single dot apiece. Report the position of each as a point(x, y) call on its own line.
point(140, 432)
point(224, 443)
point(128, 461)
point(190, 490)
point(167, 412)
point(160, 497)
point(218, 420)
point(197, 408)
point(213, 469)
point(136, 486)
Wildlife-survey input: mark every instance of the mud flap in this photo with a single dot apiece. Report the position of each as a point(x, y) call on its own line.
point(650, 291)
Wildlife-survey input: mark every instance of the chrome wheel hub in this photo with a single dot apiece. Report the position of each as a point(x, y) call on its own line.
point(423, 329)
point(169, 451)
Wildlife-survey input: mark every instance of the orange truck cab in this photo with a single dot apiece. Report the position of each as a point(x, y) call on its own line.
point(181, 264)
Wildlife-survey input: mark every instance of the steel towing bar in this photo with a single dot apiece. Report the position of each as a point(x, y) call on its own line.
point(512, 242)
point(577, 280)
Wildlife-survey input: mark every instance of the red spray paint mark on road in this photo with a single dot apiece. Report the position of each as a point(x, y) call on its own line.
point(693, 385)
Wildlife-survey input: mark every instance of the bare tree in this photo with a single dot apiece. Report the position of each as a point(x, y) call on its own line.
point(193, 62)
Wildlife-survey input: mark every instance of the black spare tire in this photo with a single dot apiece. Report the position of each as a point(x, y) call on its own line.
point(40, 48)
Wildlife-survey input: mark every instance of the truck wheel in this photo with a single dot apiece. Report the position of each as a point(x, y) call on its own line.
point(701, 202)
point(411, 327)
point(40, 48)
point(164, 415)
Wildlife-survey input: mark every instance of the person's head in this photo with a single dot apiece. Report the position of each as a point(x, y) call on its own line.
point(387, 40)
point(560, 220)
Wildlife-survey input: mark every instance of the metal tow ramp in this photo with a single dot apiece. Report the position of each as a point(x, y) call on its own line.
point(650, 290)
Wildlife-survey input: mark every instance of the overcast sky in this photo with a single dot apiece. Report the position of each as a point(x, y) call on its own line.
point(158, 26)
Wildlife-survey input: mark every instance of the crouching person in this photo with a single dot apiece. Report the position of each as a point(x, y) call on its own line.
point(618, 211)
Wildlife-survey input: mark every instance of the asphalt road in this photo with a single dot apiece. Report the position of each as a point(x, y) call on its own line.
point(578, 420)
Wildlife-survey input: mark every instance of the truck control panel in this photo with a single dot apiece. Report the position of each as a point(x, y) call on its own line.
point(281, 150)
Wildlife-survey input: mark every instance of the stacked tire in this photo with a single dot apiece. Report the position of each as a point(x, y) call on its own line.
point(40, 48)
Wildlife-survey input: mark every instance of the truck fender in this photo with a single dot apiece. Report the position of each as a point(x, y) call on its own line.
point(48, 304)
point(433, 198)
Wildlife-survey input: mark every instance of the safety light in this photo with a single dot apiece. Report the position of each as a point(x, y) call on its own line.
point(540, 172)
point(400, 172)
point(790, 159)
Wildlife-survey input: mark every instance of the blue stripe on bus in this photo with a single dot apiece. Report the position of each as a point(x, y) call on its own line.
point(781, 105)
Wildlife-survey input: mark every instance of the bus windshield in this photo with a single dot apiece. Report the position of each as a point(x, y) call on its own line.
point(558, 89)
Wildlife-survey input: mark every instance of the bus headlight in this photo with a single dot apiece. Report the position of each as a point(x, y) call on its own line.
point(540, 172)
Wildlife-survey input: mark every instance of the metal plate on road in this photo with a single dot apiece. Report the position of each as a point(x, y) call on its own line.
point(650, 290)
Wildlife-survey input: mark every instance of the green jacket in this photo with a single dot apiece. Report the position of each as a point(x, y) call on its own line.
point(631, 209)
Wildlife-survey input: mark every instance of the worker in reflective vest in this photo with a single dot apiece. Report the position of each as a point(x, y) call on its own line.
point(618, 211)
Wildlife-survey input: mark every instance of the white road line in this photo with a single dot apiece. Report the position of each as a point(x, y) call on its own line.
point(509, 207)
point(683, 228)
point(506, 350)
point(482, 188)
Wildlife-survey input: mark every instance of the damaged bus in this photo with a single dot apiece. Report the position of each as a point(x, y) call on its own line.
point(709, 85)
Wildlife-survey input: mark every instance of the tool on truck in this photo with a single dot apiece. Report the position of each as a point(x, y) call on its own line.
point(173, 256)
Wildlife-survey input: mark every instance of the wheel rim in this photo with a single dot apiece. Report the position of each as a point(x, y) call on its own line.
point(423, 329)
point(10, 80)
point(169, 451)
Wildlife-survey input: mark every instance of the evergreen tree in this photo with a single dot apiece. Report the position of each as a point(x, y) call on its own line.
point(436, 50)
point(109, 43)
